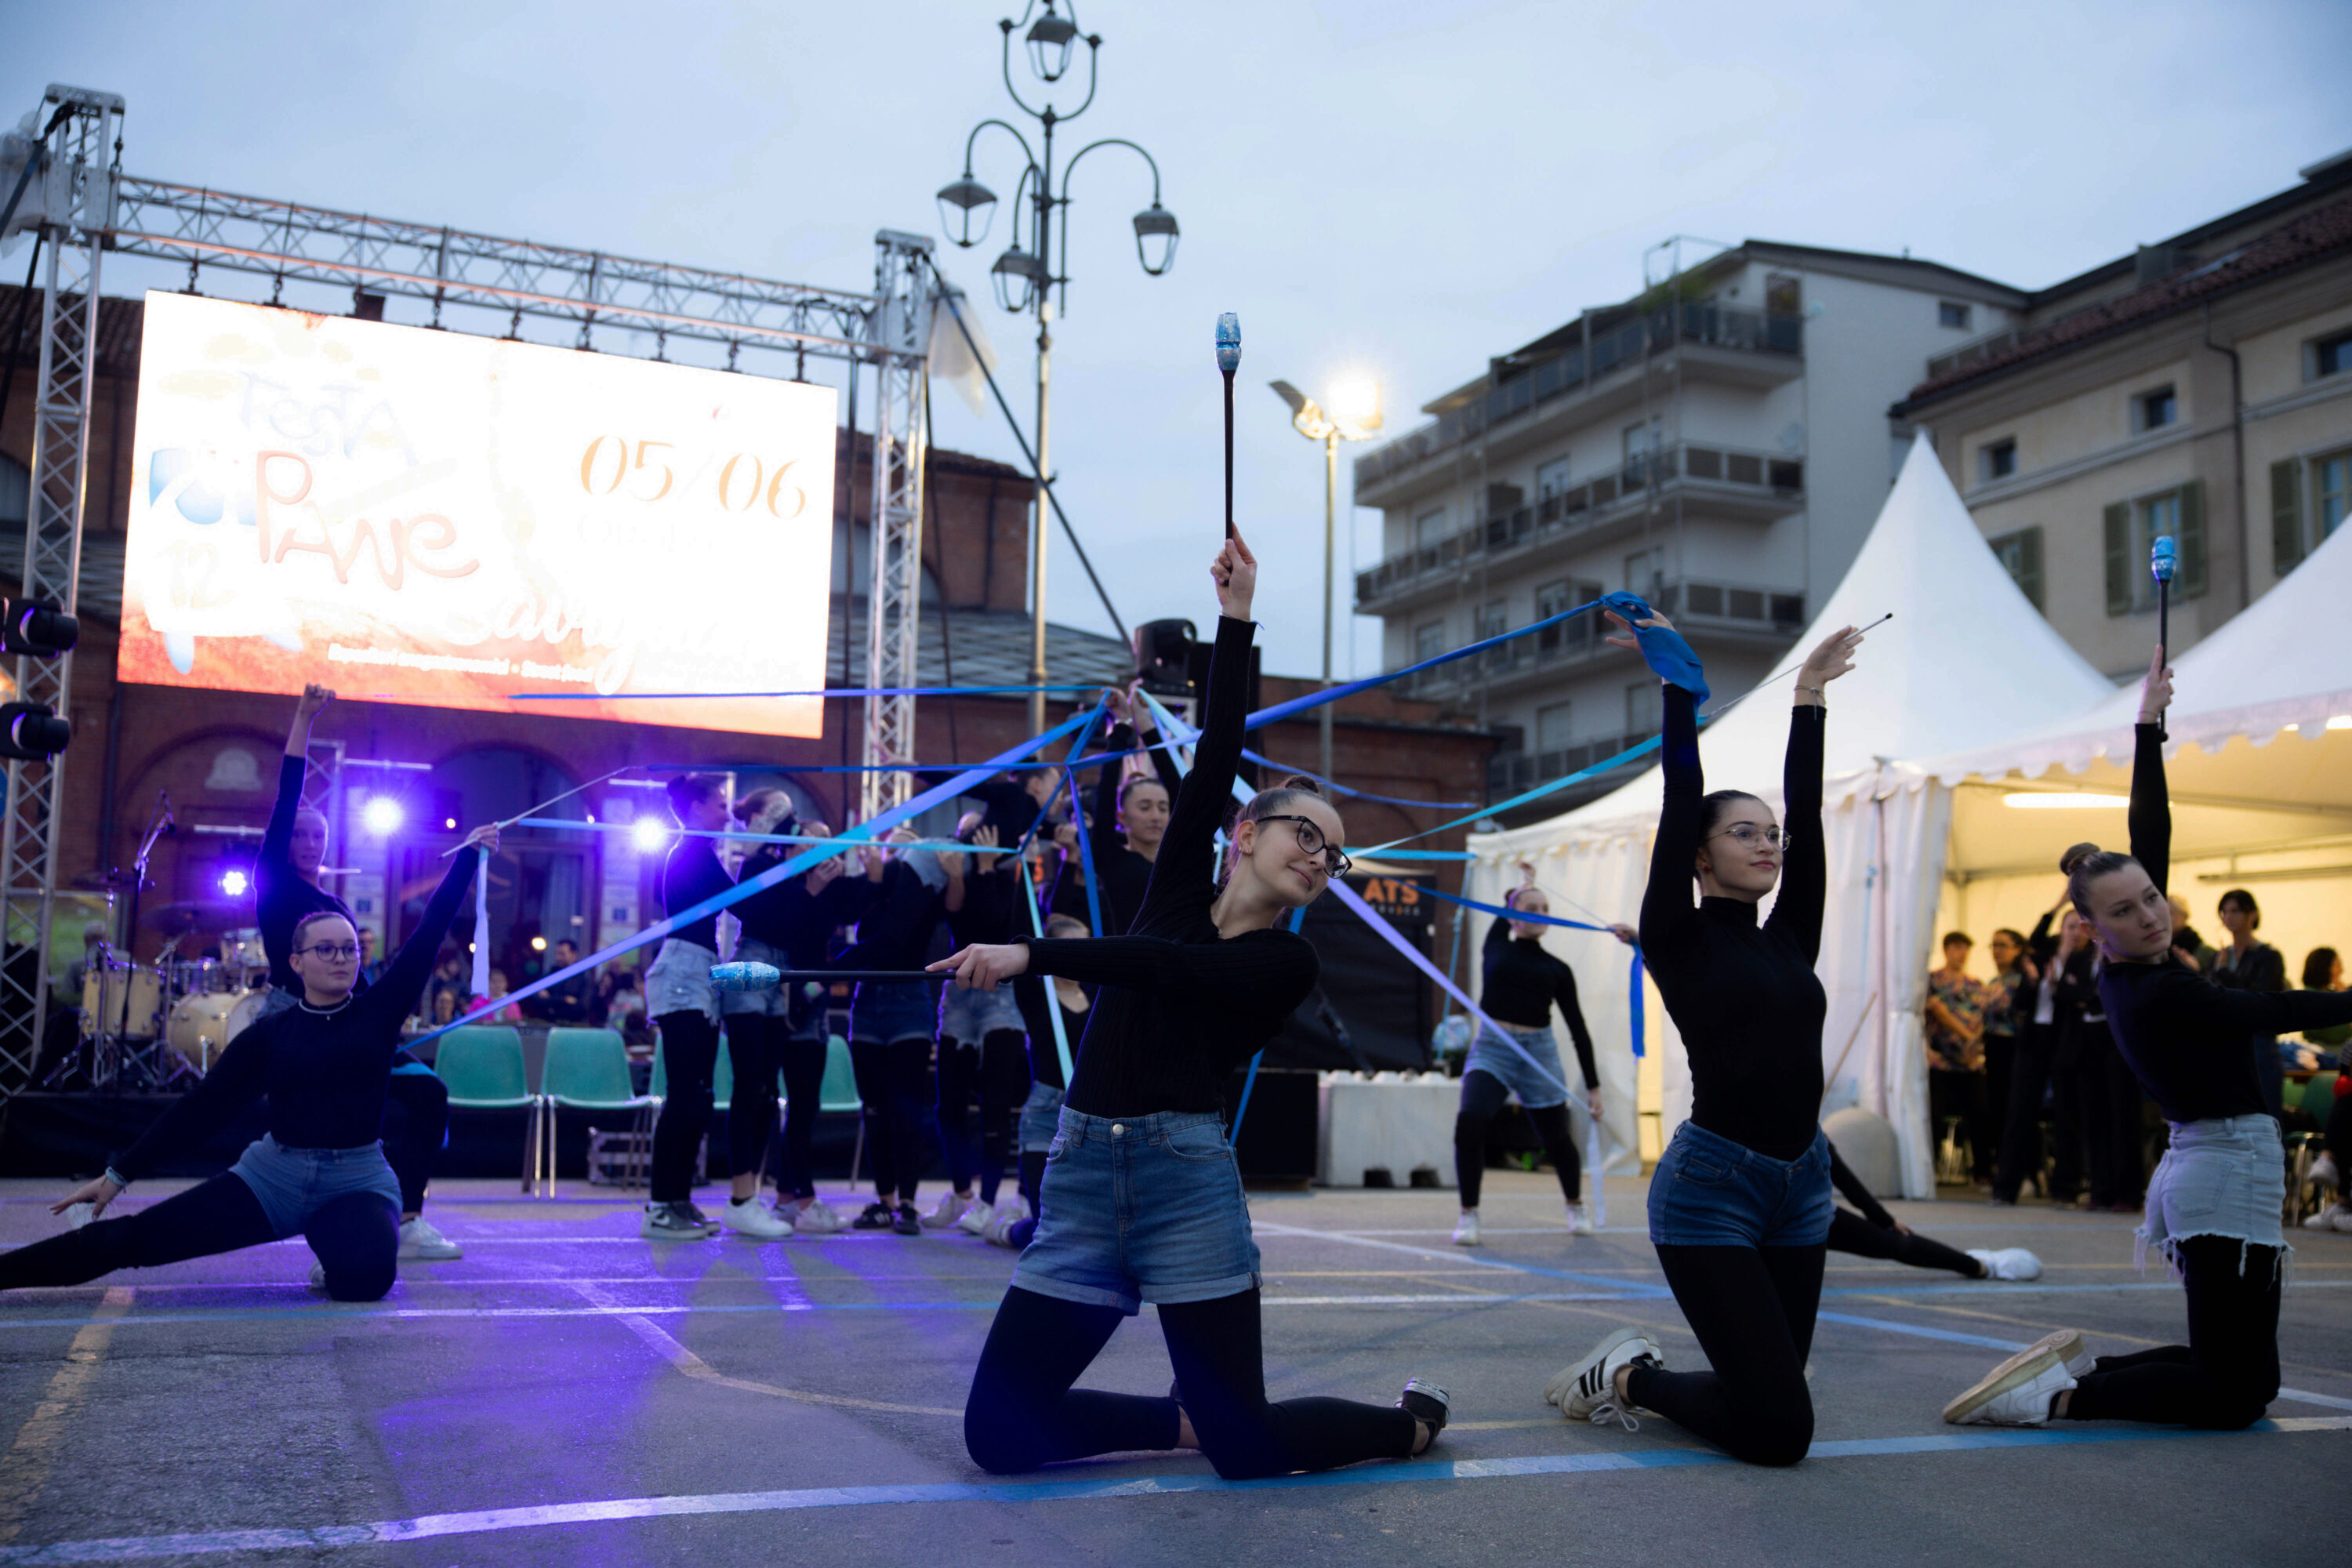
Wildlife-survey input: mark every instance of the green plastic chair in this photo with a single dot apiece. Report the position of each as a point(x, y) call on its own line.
point(588, 1069)
point(838, 1091)
point(482, 1066)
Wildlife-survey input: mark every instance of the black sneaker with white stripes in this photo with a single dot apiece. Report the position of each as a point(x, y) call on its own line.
point(1427, 1403)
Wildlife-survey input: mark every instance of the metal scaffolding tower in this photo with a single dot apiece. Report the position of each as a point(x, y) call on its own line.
point(473, 282)
point(83, 156)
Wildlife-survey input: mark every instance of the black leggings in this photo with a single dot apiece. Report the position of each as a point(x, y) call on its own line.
point(1483, 1094)
point(758, 1049)
point(1852, 1233)
point(893, 1087)
point(415, 1126)
point(1024, 1413)
point(2227, 1372)
point(1752, 1308)
point(2338, 1138)
point(2110, 1097)
point(689, 1048)
point(356, 1237)
point(996, 1073)
point(2036, 1071)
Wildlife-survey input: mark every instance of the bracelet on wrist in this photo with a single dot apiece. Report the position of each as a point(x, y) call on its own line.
point(121, 1182)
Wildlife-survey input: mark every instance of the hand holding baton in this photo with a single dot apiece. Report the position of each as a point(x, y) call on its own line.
point(1229, 360)
point(2163, 562)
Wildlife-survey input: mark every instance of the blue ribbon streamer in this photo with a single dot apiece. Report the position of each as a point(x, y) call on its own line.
point(827, 692)
point(1663, 647)
point(1085, 832)
point(1633, 996)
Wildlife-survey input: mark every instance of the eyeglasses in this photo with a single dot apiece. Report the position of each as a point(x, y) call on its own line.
point(1310, 838)
point(1748, 836)
point(334, 952)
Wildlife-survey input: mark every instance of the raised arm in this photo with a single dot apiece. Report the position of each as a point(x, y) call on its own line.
point(276, 839)
point(1104, 830)
point(404, 977)
point(1666, 901)
point(2151, 807)
point(1805, 859)
point(1200, 809)
point(1162, 751)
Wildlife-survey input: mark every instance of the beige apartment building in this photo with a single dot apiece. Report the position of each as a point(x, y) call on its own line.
point(1718, 443)
point(2200, 387)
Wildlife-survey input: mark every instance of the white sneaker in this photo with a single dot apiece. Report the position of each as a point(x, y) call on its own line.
point(318, 1276)
point(1587, 1390)
point(749, 1217)
point(1009, 1213)
point(2335, 1216)
point(945, 1211)
point(1466, 1230)
point(419, 1239)
point(974, 1221)
point(2008, 1263)
point(1580, 1220)
point(2323, 1170)
point(2017, 1392)
point(814, 1217)
point(674, 1222)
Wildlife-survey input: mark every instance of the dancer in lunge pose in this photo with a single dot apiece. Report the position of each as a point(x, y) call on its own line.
point(286, 890)
point(2213, 1205)
point(1740, 1203)
point(684, 1006)
point(1874, 1233)
point(1522, 983)
point(982, 1055)
point(1142, 1199)
point(320, 1172)
point(789, 925)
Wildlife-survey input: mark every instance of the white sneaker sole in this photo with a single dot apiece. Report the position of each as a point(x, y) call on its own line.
point(444, 1253)
point(2009, 1375)
point(1599, 1354)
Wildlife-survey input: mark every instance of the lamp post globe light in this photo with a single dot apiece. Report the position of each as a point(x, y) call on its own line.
point(1354, 415)
point(1024, 278)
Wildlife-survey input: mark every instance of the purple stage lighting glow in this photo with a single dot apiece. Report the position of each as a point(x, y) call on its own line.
point(650, 834)
point(381, 816)
point(235, 882)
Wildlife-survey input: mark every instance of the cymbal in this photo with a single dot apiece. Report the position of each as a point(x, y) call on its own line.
point(185, 916)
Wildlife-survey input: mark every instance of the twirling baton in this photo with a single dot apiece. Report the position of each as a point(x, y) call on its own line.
point(2163, 560)
point(1229, 360)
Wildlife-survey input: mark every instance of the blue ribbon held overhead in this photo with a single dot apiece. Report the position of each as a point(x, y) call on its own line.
point(1502, 911)
point(1662, 647)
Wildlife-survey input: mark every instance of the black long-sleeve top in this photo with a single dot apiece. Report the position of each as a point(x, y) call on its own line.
point(1743, 993)
point(896, 932)
point(692, 873)
point(1180, 1005)
point(796, 922)
point(1029, 994)
point(1849, 1186)
point(324, 1072)
point(2188, 1041)
point(2263, 968)
point(282, 896)
point(1523, 982)
point(1122, 876)
point(1005, 803)
point(992, 905)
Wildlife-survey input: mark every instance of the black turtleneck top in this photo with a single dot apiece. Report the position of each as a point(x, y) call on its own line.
point(1523, 982)
point(1742, 993)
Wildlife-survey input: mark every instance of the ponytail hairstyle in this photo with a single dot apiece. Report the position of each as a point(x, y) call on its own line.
point(2083, 864)
point(688, 790)
point(762, 802)
point(1265, 802)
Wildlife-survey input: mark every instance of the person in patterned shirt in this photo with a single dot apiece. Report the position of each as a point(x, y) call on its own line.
point(1955, 1079)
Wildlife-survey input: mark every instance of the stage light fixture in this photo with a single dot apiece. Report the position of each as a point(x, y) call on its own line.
point(650, 836)
point(235, 882)
point(538, 945)
point(381, 816)
point(33, 732)
point(450, 823)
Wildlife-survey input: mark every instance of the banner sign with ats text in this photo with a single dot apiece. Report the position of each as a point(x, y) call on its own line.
point(425, 517)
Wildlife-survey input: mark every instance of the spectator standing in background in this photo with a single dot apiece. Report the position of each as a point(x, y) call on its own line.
point(1956, 1054)
point(2005, 995)
point(2324, 971)
point(2249, 963)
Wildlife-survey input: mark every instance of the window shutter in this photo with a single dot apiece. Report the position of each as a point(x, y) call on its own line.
point(2190, 581)
point(2286, 517)
point(2028, 564)
point(2120, 576)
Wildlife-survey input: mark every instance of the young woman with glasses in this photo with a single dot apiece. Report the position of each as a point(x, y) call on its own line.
point(320, 1172)
point(1740, 1203)
point(1141, 1199)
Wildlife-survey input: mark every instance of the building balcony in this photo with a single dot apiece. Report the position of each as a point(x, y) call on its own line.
point(1718, 482)
point(1589, 380)
point(1516, 773)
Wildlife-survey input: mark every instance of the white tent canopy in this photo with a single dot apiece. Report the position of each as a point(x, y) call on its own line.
point(1966, 663)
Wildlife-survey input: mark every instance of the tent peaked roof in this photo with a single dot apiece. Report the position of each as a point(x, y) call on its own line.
point(2285, 662)
point(1966, 661)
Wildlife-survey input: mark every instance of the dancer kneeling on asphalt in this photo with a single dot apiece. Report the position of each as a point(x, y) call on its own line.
point(1874, 1233)
point(1142, 1199)
point(1740, 1203)
point(320, 1172)
point(1522, 982)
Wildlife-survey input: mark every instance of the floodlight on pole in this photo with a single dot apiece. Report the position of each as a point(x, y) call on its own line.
point(1356, 403)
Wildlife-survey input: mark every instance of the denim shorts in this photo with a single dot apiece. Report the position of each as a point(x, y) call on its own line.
point(1708, 1191)
point(680, 980)
point(1143, 1208)
point(1041, 1118)
point(2225, 1176)
point(293, 1184)
point(892, 1011)
point(971, 1016)
point(1523, 1078)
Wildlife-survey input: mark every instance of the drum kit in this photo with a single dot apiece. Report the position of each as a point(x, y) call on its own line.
point(145, 1026)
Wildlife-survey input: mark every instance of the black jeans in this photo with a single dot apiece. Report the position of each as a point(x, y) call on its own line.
point(356, 1237)
point(2000, 1067)
point(759, 1049)
point(1963, 1094)
point(2111, 1120)
point(415, 1126)
point(1852, 1233)
point(689, 1048)
point(2338, 1138)
point(894, 1087)
point(2227, 1372)
point(1752, 1308)
point(996, 1072)
point(2036, 1072)
point(1024, 1414)
point(1483, 1096)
